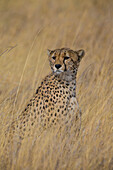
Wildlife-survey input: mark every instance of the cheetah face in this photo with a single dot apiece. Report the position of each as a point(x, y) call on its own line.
point(64, 59)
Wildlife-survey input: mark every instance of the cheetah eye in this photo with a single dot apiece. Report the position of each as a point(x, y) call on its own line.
point(66, 58)
point(53, 57)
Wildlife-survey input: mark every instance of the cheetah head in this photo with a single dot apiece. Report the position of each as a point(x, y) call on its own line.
point(64, 59)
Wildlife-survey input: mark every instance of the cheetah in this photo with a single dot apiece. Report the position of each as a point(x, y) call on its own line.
point(53, 103)
point(55, 100)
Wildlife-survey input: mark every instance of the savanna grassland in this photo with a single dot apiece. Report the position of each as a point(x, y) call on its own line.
point(27, 29)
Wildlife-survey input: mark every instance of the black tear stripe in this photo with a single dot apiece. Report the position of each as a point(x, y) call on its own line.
point(64, 65)
point(65, 68)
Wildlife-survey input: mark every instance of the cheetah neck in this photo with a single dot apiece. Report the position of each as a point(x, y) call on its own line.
point(67, 76)
point(68, 80)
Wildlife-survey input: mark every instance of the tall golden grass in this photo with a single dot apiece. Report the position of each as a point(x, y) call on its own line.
point(28, 28)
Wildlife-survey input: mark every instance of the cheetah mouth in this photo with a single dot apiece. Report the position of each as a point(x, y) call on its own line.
point(58, 71)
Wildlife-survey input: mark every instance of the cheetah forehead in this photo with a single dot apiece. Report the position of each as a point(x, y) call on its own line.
point(61, 52)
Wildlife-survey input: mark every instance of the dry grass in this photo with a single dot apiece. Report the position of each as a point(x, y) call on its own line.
point(35, 26)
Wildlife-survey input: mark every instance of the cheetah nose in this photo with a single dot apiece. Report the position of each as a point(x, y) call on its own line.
point(57, 66)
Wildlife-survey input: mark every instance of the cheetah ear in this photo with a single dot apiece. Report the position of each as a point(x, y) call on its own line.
point(80, 54)
point(49, 52)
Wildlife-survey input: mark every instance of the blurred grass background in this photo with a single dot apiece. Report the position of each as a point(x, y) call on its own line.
point(27, 29)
